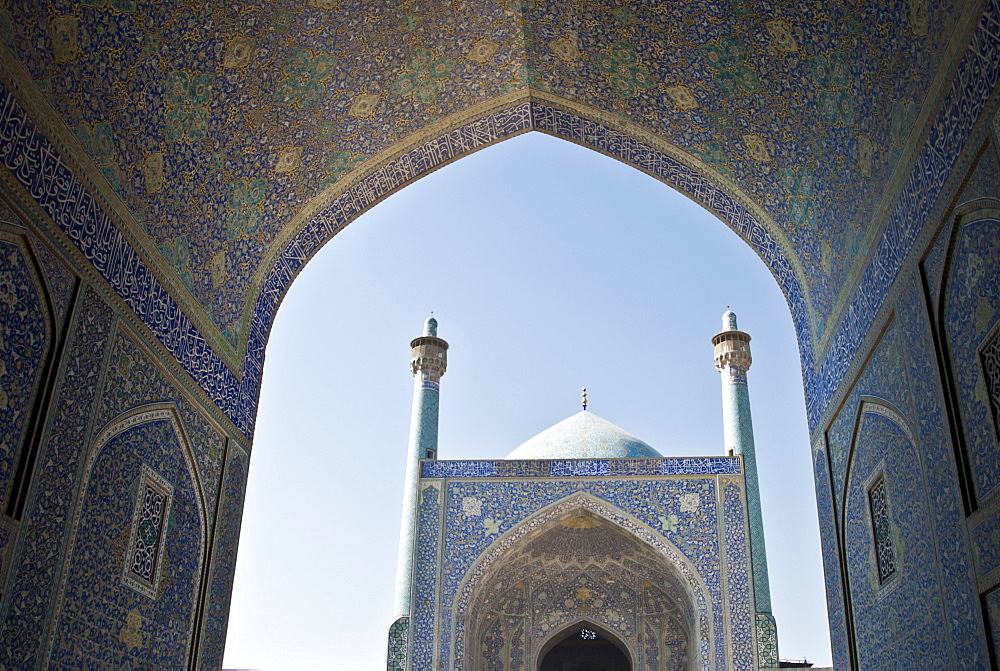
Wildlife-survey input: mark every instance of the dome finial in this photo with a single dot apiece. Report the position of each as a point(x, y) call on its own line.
point(431, 326)
point(583, 398)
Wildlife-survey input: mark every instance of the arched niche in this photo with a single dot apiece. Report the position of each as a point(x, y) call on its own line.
point(969, 327)
point(576, 567)
point(28, 324)
point(136, 550)
point(889, 545)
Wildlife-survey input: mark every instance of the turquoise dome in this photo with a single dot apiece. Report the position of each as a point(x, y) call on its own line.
point(583, 436)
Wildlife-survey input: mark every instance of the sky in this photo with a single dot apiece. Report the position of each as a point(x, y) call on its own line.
point(549, 267)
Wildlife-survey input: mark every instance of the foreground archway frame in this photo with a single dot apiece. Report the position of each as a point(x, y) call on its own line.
point(60, 190)
point(52, 184)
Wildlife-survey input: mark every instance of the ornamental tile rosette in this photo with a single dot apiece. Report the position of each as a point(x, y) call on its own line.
point(620, 65)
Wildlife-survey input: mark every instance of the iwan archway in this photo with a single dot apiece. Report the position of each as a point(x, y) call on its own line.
point(582, 572)
point(168, 171)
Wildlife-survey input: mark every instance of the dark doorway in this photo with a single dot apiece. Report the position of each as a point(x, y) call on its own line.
point(586, 650)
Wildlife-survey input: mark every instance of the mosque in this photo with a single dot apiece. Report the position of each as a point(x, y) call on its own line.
point(167, 169)
point(584, 548)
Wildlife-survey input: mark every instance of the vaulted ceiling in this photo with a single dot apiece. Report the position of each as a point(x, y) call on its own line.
point(218, 131)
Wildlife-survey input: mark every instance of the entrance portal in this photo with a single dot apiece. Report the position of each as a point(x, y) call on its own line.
point(586, 650)
point(581, 572)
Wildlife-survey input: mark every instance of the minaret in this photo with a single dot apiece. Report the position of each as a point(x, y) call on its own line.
point(428, 361)
point(732, 359)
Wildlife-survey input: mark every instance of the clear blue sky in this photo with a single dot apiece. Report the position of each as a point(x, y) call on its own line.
point(549, 267)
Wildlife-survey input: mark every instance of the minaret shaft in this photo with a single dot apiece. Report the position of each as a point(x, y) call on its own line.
point(428, 362)
point(738, 433)
point(733, 359)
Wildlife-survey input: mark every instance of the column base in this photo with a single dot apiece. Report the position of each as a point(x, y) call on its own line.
point(767, 641)
point(399, 645)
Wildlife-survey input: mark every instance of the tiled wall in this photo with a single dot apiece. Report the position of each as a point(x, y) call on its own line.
point(470, 523)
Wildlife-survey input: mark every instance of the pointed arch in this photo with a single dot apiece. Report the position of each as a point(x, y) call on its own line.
point(583, 623)
point(878, 406)
point(889, 537)
point(109, 523)
point(479, 127)
point(874, 406)
point(28, 307)
point(148, 413)
point(967, 333)
point(694, 598)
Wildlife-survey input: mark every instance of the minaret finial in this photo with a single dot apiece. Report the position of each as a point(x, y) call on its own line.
point(431, 326)
point(583, 398)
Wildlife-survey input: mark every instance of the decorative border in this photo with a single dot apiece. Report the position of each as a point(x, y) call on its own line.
point(767, 640)
point(425, 593)
point(539, 468)
point(880, 408)
point(148, 479)
point(738, 574)
point(36, 165)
